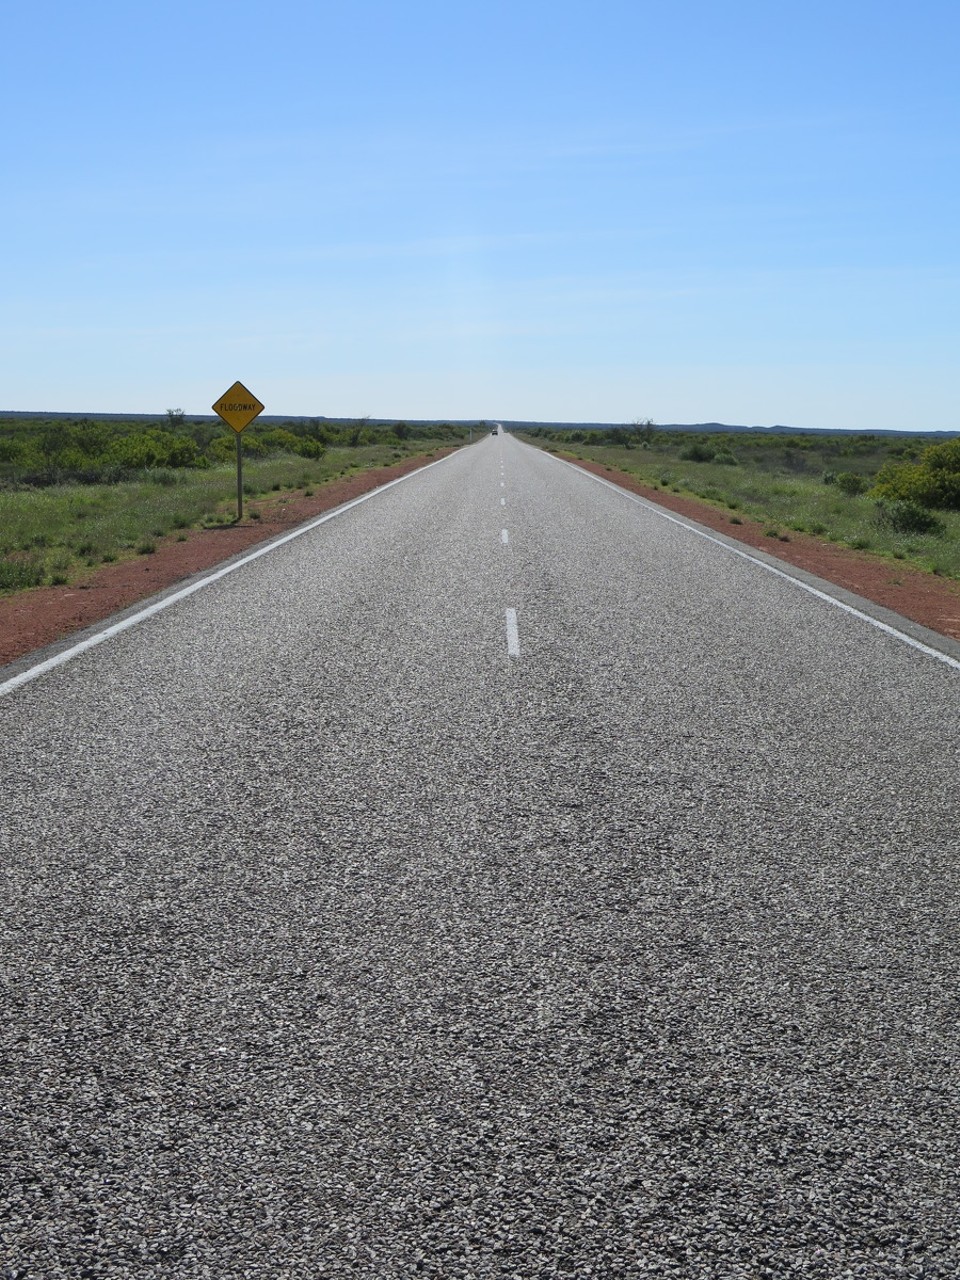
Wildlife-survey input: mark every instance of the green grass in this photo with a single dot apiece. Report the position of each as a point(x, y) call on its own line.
point(53, 534)
point(780, 486)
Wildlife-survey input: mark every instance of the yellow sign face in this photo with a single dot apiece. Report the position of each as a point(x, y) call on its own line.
point(238, 407)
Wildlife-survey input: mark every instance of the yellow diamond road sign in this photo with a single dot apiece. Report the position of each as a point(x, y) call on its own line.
point(238, 407)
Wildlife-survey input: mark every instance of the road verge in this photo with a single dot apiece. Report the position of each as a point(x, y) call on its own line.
point(32, 619)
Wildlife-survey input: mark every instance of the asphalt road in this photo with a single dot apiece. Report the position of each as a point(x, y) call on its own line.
point(498, 880)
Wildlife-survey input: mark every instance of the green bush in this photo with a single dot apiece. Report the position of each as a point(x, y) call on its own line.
point(224, 448)
point(904, 516)
point(943, 457)
point(698, 453)
point(850, 483)
point(154, 448)
point(933, 481)
point(308, 448)
point(281, 441)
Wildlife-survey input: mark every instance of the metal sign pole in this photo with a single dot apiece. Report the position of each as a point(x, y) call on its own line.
point(239, 478)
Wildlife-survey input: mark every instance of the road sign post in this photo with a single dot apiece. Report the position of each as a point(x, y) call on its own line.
point(238, 407)
point(239, 479)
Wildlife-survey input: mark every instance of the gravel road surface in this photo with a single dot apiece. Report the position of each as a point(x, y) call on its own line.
point(499, 880)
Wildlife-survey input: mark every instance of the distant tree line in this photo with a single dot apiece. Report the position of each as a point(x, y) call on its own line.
point(639, 434)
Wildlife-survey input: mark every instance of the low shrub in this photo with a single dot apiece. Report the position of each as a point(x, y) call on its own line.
point(850, 483)
point(905, 516)
point(698, 453)
point(15, 574)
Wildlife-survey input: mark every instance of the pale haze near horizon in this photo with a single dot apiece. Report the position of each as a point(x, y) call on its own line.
point(742, 213)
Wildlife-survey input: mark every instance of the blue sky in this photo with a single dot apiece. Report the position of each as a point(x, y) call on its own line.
point(744, 212)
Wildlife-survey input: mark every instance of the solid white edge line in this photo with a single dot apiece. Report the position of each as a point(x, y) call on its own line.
point(513, 634)
point(58, 659)
point(779, 573)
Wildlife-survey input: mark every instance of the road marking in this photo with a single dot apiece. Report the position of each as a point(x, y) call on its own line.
point(504, 537)
point(58, 659)
point(503, 502)
point(779, 573)
point(513, 634)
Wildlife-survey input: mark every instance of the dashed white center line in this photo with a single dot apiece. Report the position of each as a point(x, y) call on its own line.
point(504, 537)
point(513, 635)
point(503, 502)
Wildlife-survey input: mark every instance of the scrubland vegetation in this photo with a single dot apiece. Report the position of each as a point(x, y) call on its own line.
point(897, 496)
point(78, 493)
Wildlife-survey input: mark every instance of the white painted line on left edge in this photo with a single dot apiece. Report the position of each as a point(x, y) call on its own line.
point(58, 659)
point(513, 634)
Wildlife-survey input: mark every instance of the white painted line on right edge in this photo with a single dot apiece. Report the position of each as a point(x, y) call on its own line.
point(779, 573)
point(513, 634)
